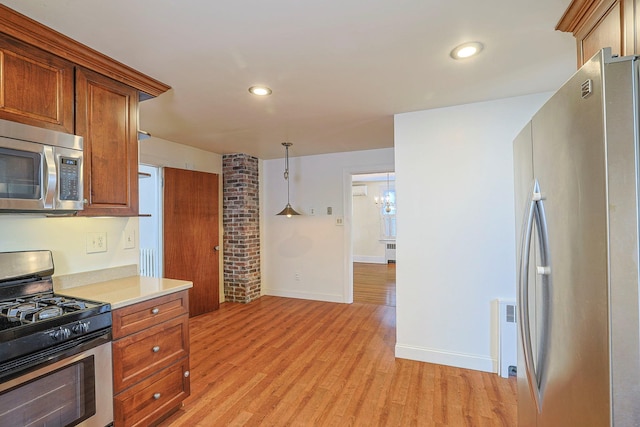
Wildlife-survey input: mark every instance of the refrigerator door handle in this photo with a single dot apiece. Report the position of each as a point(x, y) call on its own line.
point(544, 271)
point(533, 213)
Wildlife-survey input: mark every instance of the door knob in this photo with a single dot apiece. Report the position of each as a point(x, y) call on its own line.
point(216, 248)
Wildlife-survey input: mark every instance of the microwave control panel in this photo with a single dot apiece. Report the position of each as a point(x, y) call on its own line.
point(69, 178)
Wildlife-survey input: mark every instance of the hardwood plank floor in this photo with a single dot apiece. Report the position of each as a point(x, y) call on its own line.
point(287, 362)
point(374, 283)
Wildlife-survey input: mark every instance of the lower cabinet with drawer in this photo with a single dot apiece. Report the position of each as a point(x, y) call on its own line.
point(150, 359)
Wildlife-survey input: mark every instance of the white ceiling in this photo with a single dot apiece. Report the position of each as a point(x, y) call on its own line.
point(339, 70)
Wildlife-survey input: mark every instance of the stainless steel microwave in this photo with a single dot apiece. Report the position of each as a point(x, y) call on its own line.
point(40, 170)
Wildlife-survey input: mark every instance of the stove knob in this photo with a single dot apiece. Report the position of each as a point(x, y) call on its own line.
point(60, 334)
point(80, 328)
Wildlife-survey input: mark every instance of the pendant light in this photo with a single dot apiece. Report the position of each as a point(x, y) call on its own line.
point(288, 210)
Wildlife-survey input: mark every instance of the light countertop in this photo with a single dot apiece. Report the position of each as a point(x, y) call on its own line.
point(129, 290)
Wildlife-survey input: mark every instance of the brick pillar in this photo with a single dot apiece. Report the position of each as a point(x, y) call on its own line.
point(240, 219)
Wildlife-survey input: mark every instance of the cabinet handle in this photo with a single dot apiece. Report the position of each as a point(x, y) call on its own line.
point(156, 396)
point(155, 311)
point(186, 374)
point(156, 349)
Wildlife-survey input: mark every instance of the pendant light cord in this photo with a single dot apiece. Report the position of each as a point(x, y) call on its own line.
point(286, 166)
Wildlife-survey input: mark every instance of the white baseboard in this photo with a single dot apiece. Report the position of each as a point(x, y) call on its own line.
point(369, 259)
point(303, 295)
point(440, 357)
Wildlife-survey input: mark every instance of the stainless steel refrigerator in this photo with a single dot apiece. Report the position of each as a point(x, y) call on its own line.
point(577, 183)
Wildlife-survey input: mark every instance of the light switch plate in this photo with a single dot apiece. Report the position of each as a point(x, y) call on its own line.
point(129, 238)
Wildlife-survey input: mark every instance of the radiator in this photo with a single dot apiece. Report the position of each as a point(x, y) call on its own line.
point(148, 262)
point(508, 338)
point(390, 252)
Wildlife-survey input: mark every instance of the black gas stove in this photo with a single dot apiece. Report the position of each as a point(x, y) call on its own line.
point(36, 325)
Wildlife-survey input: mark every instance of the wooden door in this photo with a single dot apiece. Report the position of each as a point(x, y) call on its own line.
point(191, 235)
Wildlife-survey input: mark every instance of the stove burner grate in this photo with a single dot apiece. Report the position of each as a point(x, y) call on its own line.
point(39, 307)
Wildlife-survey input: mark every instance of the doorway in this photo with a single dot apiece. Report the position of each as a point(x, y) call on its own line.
point(373, 233)
point(150, 220)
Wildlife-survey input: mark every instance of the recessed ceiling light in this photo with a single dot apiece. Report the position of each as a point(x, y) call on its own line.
point(466, 50)
point(260, 90)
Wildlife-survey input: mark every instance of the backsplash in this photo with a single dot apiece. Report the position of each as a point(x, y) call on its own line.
point(67, 239)
point(68, 281)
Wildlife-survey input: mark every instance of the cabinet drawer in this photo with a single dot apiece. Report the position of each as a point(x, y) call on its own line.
point(152, 398)
point(137, 356)
point(138, 317)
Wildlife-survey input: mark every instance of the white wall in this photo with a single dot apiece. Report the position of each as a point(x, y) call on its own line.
point(456, 244)
point(160, 152)
point(312, 246)
point(66, 238)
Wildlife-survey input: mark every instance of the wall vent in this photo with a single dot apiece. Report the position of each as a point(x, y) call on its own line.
point(511, 313)
point(508, 337)
point(358, 190)
point(390, 252)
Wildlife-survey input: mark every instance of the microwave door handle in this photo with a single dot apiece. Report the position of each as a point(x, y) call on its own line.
point(49, 178)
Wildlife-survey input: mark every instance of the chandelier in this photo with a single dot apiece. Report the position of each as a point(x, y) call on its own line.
point(385, 200)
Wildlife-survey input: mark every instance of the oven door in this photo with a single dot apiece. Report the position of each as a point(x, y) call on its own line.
point(23, 175)
point(74, 391)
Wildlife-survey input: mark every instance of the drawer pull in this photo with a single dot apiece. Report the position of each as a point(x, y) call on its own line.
point(155, 311)
point(186, 374)
point(156, 396)
point(156, 348)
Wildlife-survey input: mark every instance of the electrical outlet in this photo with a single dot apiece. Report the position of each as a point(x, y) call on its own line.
point(297, 276)
point(339, 220)
point(96, 242)
point(312, 211)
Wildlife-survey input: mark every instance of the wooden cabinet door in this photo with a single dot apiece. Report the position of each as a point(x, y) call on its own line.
point(36, 88)
point(190, 235)
point(107, 118)
point(601, 23)
point(607, 32)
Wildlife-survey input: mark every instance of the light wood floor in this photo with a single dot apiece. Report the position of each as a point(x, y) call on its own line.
point(374, 283)
point(287, 362)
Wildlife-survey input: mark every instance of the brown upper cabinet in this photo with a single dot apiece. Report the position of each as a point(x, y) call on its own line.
point(106, 117)
point(36, 88)
point(51, 81)
point(601, 23)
